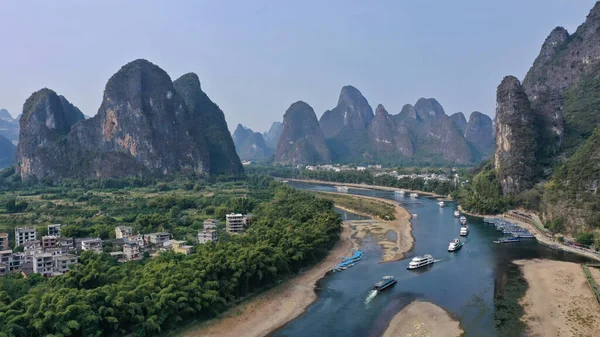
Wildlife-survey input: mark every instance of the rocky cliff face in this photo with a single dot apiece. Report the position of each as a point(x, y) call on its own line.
point(460, 121)
point(209, 125)
point(272, 136)
point(514, 156)
point(301, 140)
point(352, 112)
point(479, 133)
point(562, 61)
point(388, 138)
point(250, 145)
point(143, 125)
point(45, 124)
point(436, 138)
point(7, 152)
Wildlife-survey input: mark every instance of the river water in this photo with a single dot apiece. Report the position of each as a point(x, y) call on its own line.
point(463, 283)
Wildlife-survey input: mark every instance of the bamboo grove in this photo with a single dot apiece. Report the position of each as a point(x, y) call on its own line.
point(102, 297)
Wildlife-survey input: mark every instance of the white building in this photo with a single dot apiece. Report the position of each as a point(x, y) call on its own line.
point(137, 239)
point(207, 235)
point(92, 245)
point(23, 235)
point(43, 264)
point(236, 223)
point(62, 262)
point(54, 230)
point(123, 231)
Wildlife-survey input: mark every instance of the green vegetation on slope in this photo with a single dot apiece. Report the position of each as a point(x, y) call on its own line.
point(103, 298)
point(372, 207)
point(483, 195)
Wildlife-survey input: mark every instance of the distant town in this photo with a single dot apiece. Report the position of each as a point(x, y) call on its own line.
point(54, 255)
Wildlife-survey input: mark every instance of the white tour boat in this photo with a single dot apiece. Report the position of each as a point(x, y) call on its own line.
point(456, 214)
point(463, 220)
point(464, 231)
point(342, 188)
point(420, 261)
point(441, 203)
point(455, 245)
point(400, 192)
point(414, 195)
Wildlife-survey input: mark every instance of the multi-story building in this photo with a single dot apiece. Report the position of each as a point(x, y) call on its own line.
point(236, 223)
point(179, 247)
point(131, 251)
point(123, 232)
point(54, 230)
point(3, 241)
point(23, 235)
point(210, 223)
point(62, 262)
point(32, 247)
point(207, 235)
point(66, 242)
point(3, 269)
point(91, 245)
point(137, 239)
point(12, 260)
point(43, 264)
point(158, 238)
point(49, 241)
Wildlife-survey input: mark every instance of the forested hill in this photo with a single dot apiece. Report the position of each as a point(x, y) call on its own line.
point(546, 149)
point(101, 297)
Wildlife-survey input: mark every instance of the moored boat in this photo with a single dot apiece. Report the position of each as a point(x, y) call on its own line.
point(386, 282)
point(456, 214)
point(464, 231)
point(441, 203)
point(420, 261)
point(342, 188)
point(455, 245)
point(414, 195)
point(508, 240)
point(463, 220)
point(399, 192)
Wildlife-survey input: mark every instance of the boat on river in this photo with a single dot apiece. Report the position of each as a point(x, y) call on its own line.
point(455, 245)
point(399, 192)
point(463, 220)
point(342, 188)
point(414, 195)
point(385, 283)
point(456, 214)
point(441, 203)
point(508, 240)
point(420, 261)
point(350, 261)
point(464, 230)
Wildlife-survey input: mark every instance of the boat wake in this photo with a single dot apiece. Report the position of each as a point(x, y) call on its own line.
point(371, 296)
point(437, 260)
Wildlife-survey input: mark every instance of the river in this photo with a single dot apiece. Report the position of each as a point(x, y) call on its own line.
point(463, 283)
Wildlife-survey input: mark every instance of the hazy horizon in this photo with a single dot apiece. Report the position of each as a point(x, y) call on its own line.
point(254, 59)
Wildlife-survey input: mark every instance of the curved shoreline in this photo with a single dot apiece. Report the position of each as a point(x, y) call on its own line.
point(420, 319)
point(264, 313)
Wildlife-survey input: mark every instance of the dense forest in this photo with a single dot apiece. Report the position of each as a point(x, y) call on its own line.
point(290, 230)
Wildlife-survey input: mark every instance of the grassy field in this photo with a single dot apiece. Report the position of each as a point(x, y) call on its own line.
point(375, 208)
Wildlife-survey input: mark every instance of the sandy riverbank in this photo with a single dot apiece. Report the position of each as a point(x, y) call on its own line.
point(558, 301)
point(393, 250)
point(423, 319)
point(365, 187)
point(272, 309)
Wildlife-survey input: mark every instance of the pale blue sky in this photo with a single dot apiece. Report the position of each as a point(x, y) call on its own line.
point(255, 58)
